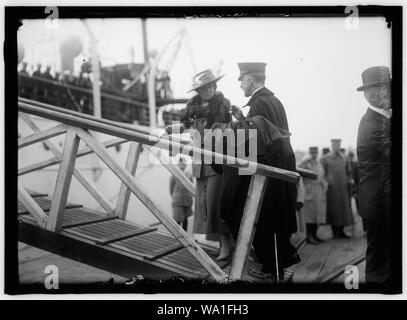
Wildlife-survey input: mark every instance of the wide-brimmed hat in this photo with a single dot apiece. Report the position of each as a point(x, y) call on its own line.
point(251, 68)
point(203, 78)
point(375, 76)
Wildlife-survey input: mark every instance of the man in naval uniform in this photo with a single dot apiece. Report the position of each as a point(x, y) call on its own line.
point(278, 215)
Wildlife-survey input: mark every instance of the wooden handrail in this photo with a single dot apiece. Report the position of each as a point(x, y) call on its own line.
point(151, 140)
point(303, 172)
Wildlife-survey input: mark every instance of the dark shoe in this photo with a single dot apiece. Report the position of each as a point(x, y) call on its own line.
point(261, 275)
point(312, 240)
point(318, 239)
point(252, 255)
point(294, 258)
point(269, 277)
point(342, 235)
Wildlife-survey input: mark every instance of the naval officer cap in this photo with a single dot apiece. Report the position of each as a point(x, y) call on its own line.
point(251, 68)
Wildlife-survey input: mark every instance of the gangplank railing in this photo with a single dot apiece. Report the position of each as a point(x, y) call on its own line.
point(76, 127)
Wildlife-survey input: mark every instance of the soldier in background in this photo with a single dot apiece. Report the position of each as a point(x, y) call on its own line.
point(338, 206)
point(314, 198)
point(325, 151)
point(181, 198)
point(24, 68)
point(37, 72)
point(47, 74)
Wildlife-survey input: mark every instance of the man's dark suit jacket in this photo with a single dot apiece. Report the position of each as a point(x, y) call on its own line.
point(373, 151)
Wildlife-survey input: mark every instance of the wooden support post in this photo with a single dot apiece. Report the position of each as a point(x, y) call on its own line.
point(175, 171)
point(196, 251)
point(56, 214)
point(32, 206)
point(131, 166)
point(41, 135)
point(247, 229)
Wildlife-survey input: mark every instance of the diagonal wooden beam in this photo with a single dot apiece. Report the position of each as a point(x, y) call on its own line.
point(32, 206)
point(196, 251)
point(42, 135)
point(247, 229)
point(174, 170)
point(131, 166)
point(62, 185)
point(97, 195)
point(55, 160)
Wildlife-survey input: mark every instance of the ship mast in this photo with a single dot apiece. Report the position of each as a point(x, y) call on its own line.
point(97, 104)
point(150, 77)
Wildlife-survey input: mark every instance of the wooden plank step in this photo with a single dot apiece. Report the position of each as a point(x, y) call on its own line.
point(125, 235)
point(79, 215)
point(35, 194)
point(45, 204)
point(164, 251)
point(82, 223)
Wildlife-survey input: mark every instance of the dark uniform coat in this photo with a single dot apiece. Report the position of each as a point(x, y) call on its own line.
point(373, 151)
point(278, 210)
point(338, 195)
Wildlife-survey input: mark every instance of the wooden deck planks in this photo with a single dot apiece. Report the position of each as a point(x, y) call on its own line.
point(348, 251)
point(318, 261)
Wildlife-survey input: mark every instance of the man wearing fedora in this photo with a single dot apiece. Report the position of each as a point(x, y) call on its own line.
point(278, 214)
point(373, 152)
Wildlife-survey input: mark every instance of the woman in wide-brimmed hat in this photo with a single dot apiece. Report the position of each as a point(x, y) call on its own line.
point(207, 107)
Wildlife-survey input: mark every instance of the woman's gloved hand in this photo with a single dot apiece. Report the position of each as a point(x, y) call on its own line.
point(237, 113)
point(175, 128)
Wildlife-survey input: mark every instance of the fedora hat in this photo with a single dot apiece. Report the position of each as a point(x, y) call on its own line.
point(251, 68)
point(375, 76)
point(203, 78)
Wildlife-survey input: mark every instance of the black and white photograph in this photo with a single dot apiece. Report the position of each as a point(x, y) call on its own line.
point(203, 149)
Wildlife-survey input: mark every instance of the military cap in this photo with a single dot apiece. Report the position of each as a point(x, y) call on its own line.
point(336, 142)
point(251, 68)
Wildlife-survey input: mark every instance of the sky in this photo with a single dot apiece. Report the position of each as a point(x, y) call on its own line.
point(314, 65)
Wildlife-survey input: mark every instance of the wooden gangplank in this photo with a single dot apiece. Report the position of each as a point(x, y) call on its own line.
point(88, 233)
point(46, 224)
